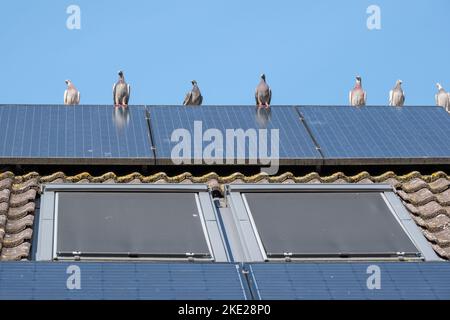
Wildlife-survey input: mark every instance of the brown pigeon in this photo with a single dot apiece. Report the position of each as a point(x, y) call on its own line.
point(357, 96)
point(71, 94)
point(121, 91)
point(442, 98)
point(263, 93)
point(193, 97)
point(396, 95)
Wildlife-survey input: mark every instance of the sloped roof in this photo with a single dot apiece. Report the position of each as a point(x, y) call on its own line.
point(427, 198)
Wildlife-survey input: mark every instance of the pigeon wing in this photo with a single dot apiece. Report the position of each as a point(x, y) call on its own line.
point(114, 93)
point(391, 93)
point(127, 98)
point(187, 98)
point(65, 97)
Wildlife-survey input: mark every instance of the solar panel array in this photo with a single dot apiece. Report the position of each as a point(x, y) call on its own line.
point(310, 135)
point(74, 134)
point(202, 281)
point(356, 281)
point(121, 281)
point(295, 144)
point(408, 134)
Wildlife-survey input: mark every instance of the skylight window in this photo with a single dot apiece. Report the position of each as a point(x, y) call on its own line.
point(325, 222)
point(128, 222)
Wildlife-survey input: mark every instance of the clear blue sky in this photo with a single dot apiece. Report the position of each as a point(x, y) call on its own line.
point(309, 50)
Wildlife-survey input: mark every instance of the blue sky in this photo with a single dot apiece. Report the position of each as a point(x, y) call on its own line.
point(309, 50)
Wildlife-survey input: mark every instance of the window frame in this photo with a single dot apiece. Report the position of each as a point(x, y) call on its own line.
point(251, 241)
point(47, 238)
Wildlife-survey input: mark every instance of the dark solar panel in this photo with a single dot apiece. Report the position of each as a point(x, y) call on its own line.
point(324, 281)
point(295, 143)
point(408, 134)
point(118, 223)
point(122, 281)
point(69, 134)
point(327, 224)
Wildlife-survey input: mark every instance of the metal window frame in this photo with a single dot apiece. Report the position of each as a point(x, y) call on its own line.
point(48, 220)
point(252, 244)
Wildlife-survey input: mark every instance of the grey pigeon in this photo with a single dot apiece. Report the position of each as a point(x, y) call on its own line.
point(193, 97)
point(71, 94)
point(121, 91)
point(263, 93)
point(442, 98)
point(396, 95)
point(357, 96)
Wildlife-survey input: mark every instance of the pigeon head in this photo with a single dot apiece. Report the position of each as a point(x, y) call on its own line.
point(194, 83)
point(438, 85)
point(120, 73)
point(263, 76)
point(399, 81)
point(67, 82)
point(358, 78)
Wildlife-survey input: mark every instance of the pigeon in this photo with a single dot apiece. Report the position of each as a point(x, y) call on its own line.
point(442, 98)
point(357, 96)
point(263, 93)
point(193, 97)
point(396, 95)
point(71, 94)
point(121, 91)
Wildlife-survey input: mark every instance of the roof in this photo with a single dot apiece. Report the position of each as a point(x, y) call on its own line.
point(427, 197)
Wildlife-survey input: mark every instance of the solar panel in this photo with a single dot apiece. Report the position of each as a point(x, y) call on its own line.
point(123, 281)
point(164, 224)
point(295, 144)
point(311, 224)
point(380, 134)
point(324, 281)
point(54, 134)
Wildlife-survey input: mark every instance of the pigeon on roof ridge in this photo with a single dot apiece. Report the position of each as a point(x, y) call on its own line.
point(442, 98)
point(396, 95)
point(263, 93)
point(71, 94)
point(121, 91)
point(193, 97)
point(357, 96)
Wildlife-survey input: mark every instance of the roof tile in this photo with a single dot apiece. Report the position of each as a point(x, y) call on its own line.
point(20, 212)
point(438, 223)
point(418, 198)
point(4, 207)
point(5, 183)
point(427, 211)
point(15, 239)
point(4, 195)
point(439, 185)
point(16, 226)
point(23, 198)
point(414, 185)
point(17, 253)
point(444, 198)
